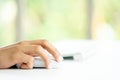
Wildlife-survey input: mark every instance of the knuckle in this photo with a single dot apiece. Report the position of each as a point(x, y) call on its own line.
point(22, 42)
point(44, 42)
point(38, 48)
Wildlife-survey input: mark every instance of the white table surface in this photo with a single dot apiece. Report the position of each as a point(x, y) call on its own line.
point(104, 65)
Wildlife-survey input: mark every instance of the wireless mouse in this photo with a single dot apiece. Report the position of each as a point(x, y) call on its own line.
point(39, 63)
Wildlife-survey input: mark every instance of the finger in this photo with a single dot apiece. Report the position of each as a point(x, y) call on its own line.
point(35, 50)
point(52, 50)
point(26, 61)
point(49, 47)
point(41, 53)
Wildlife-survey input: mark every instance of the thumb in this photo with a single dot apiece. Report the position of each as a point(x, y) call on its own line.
point(26, 61)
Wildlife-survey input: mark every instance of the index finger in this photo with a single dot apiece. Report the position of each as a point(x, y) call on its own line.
point(49, 47)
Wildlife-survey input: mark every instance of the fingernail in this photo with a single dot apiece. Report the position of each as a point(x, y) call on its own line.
point(60, 59)
point(49, 66)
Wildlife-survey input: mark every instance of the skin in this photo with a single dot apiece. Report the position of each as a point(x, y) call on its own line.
point(24, 52)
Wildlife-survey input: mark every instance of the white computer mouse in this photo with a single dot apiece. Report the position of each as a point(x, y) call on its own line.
point(39, 63)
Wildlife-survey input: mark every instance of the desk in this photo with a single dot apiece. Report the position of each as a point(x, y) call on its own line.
point(104, 65)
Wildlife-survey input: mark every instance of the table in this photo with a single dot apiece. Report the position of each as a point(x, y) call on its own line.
point(104, 65)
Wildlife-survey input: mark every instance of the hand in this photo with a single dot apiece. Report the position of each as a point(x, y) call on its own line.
point(24, 52)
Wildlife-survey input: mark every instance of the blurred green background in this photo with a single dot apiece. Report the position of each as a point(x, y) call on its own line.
point(57, 20)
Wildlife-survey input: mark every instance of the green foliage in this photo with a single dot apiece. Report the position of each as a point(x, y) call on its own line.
point(58, 19)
